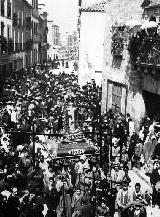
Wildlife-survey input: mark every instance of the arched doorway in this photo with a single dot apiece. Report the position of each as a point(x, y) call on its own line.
point(152, 103)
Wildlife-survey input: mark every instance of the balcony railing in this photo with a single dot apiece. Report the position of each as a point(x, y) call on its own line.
point(145, 48)
point(36, 38)
point(29, 45)
point(6, 46)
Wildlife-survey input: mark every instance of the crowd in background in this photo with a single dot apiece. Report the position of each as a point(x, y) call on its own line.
point(37, 100)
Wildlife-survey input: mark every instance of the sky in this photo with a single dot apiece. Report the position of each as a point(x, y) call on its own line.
point(64, 13)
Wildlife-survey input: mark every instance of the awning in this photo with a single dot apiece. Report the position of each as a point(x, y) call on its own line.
point(133, 23)
point(149, 24)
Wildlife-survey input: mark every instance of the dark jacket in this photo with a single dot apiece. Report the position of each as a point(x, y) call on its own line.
point(155, 177)
point(86, 211)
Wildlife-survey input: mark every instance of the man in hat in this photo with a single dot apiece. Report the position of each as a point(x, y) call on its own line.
point(119, 132)
point(103, 209)
point(124, 200)
point(76, 201)
point(139, 198)
point(117, 176)
point(155, 182)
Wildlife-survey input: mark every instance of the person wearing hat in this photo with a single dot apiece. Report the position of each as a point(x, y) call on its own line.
point(156, 152)
point(139, 198)
point(149, 147)
point(83, 163)
point(76, 201)
point(103, 209)
point(115, 149)
point(154, 180)
point(117, 176)
point(124, 200)
point(119, 132)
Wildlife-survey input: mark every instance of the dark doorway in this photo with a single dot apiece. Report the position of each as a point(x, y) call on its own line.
point(152, 103)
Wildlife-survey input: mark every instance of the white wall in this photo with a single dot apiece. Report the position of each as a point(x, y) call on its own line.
point(7, 21)
point(91, 48)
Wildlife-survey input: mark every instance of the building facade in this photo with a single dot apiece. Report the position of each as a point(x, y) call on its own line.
point(131, 83)
point(43, 31)
point(28, 41)
point(21, 33)
point(35, 35)
point(6, 42)
point(56, 35)
point(91, 43)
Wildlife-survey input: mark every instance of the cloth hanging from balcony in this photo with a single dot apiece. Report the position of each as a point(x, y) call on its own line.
point(149, 24)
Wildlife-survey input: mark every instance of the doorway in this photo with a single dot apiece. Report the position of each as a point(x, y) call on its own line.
point(152, 103)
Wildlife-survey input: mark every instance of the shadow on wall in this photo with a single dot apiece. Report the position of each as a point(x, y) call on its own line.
point(117, 61)
point(133, 78)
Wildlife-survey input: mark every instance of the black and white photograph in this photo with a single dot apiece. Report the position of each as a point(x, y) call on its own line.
point(79, 108)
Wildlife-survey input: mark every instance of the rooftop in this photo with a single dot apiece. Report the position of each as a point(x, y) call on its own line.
point(97, 7)
point(150, 3)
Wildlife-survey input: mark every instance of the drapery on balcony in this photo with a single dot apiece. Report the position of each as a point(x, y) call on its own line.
point(144, 47)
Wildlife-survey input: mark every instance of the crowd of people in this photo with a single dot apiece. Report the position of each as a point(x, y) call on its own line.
point(34, 183)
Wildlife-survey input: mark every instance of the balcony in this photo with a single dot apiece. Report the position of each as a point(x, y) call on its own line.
point(6, 46)
point(29, 45)
point(36, 38)
point(35, 13)
point(144, 48)
point(28, 23)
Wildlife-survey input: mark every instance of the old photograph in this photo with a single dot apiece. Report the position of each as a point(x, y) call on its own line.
point(79, 108)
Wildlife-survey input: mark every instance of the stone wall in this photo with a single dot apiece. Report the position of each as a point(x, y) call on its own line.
point(117, 69)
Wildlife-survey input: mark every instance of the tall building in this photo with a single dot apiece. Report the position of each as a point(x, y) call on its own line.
point(56, 35)
point(43, 31)
point(35, 35)
point(28, 41)
point(21, 33)
point(6, 42)
point(56, 40)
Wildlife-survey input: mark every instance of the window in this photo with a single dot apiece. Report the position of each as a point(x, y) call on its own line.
point(8, 9)
point(28, 23)
point(2, 8)
point(15, 19)
point(36, 4)
point(116, 98)
point(8, 33)
point(2, 28)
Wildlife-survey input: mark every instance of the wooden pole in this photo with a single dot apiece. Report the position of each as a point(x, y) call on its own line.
point(34, 154)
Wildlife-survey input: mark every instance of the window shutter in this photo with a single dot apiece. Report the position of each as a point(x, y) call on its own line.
point(123, 101)
point(109, 103)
